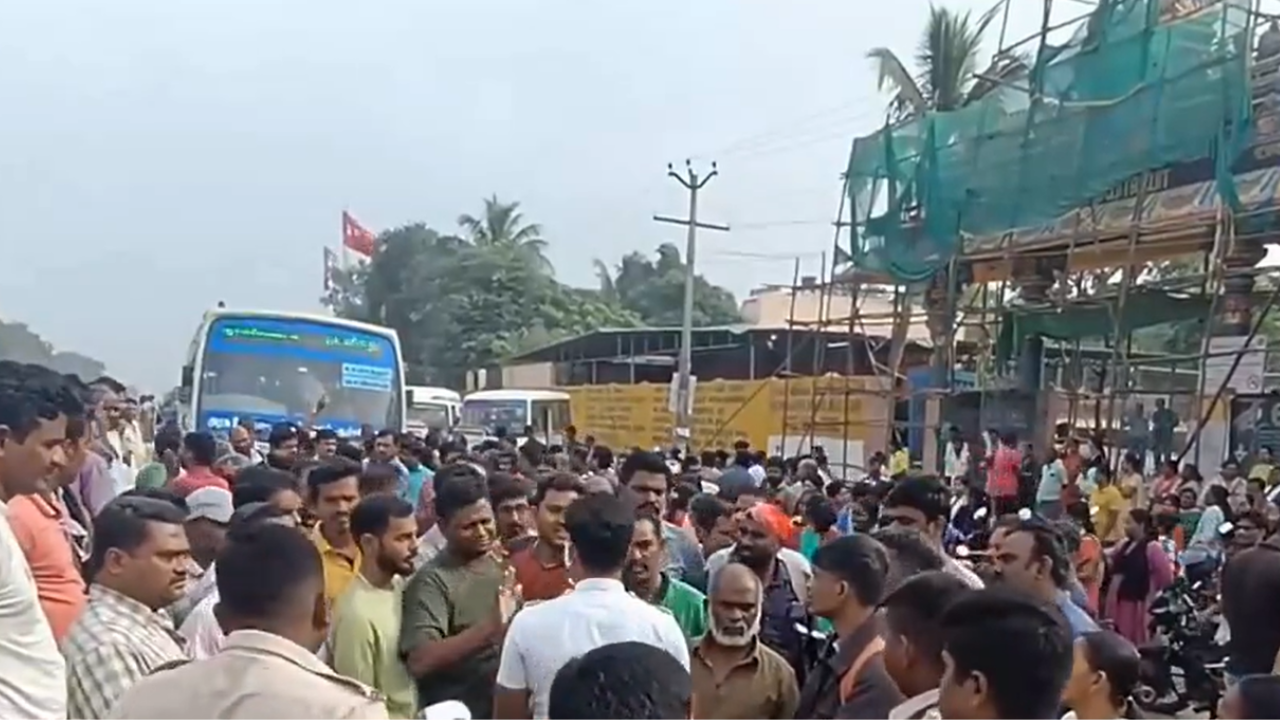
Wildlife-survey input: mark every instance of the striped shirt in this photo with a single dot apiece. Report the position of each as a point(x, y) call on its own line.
point(115, 643)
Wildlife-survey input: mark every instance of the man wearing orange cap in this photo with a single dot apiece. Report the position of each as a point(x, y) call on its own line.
point(764, 531)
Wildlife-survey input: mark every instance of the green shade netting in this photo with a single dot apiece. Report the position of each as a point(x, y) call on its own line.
point(1132, 91)
point(1143, 308)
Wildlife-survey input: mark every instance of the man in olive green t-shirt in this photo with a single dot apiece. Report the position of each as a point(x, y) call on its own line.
point(645, 578)
point(364, 639)
point(453, 623)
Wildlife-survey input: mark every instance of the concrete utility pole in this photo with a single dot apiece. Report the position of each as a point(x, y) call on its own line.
point(684, 368)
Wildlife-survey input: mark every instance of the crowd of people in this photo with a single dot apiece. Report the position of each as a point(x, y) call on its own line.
point(398, 576)
point(1136, 528)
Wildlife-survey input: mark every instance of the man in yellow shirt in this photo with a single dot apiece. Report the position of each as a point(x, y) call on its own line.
point(1261, 469)
point(1108, 506)
point(1131, 484)
point(333, 489)
point(899, 460)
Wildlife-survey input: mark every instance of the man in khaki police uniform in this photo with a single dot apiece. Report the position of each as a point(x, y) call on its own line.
point(271, 586)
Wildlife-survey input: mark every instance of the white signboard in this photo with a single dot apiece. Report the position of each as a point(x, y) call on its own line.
point(1248, 375)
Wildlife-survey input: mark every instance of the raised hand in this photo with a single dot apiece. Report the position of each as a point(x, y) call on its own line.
point(509, 596)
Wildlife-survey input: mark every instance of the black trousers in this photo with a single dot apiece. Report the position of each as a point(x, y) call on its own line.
point(1003, 505)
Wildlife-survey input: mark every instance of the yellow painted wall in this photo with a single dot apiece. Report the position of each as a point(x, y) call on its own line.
point(622, 416)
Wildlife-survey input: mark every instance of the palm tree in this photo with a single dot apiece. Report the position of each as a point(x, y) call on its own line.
point(501, 227)
point(946, 64)
point(945, 79)
point(605, 277)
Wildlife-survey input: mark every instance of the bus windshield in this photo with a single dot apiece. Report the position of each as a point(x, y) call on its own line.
point(434, 416)
point(492, 414)
point(274, 370)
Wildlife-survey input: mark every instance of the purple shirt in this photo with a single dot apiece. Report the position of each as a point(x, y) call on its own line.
point(94, 486)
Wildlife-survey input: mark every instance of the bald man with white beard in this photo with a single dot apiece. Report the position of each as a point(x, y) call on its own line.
point(734, 674)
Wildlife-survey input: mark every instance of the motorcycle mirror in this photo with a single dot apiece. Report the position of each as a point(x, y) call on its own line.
point(979, 513)
point(963, 551)
point(447, 710)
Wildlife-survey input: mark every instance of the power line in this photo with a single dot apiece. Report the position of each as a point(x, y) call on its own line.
point(742, 255)
point(821, 123)
point(766, 224)
point(786, 134)
point(800, 140)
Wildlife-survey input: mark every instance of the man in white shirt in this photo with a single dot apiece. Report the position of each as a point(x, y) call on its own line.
point(34, 405)
point(1237, 486)
point(429, 545)
point(211, 507)
point(119, 432)
point(955, 460)
point(200, 628)
point(598, 611)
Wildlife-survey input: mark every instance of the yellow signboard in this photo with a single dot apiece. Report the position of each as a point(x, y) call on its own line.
point(821, 402)
point(621, 415)
point(724, 411)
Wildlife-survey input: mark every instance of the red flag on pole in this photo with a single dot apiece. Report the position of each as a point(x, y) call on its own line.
point(330, 269)
point(355, 237)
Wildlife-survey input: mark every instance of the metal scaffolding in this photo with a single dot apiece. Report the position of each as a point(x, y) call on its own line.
point(1096, 260)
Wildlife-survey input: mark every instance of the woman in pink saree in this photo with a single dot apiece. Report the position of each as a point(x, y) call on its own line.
point(1140, 569)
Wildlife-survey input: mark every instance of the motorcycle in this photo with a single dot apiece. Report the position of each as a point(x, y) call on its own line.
point(1183, 668)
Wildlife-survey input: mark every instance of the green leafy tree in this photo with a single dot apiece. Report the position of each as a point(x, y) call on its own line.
point(653, 289)
point(460, 304)
point(82, 366)
point(21, 344)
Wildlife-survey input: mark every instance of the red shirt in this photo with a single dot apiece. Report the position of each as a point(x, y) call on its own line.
point(196, 478)
point(1164, 486)
point(537, 580)
point(37, 525)
point(1004, 472)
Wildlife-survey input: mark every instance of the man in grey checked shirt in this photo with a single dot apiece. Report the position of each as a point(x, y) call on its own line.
point(137, 568)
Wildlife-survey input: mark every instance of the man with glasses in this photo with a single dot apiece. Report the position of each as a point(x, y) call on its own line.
point(922, 503)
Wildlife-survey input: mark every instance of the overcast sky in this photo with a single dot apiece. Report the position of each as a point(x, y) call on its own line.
point(157, 156)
